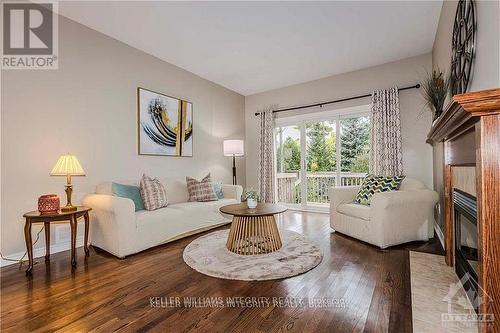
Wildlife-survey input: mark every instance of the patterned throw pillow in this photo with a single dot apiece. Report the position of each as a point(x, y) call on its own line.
point(218, 190)
point(201, 191)
point(153, 193)
point(376, 184)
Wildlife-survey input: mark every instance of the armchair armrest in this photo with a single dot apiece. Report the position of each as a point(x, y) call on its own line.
point(232, 191)
point(404, 215)
point(342, 194)
point(113, 223)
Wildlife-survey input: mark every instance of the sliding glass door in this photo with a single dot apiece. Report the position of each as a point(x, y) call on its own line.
point(355, 149)
point(317, 152)
point(288, 165)
point(320, 160)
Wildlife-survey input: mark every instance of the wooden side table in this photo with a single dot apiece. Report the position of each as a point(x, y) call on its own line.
point(47, 219)
point(253, 230)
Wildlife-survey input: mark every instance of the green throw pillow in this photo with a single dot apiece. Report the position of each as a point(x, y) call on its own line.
point(376, 184)
point(218, 190)
point(130, 192)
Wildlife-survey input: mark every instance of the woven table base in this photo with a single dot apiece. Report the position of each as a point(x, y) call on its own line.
point(251, 235)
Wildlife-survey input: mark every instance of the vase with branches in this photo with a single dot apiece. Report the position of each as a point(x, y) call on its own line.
point(435, 89)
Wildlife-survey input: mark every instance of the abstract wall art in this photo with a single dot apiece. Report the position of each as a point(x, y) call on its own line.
point(165, 124)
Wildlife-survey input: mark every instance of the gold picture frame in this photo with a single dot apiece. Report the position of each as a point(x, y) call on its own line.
point(164, 124)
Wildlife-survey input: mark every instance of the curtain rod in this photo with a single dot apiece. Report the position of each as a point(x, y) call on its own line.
point(335, 101)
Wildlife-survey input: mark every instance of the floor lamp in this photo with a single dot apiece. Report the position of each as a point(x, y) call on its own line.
point(234, 148)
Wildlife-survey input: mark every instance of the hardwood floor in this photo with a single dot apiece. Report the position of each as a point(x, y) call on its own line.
point(106, 294)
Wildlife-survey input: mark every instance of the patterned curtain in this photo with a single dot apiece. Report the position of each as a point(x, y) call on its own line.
point(386, 154)
point(266, 154)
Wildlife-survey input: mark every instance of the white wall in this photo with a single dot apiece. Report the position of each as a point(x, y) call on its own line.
point(486, 70)
point(88, 107)
point(416, 122)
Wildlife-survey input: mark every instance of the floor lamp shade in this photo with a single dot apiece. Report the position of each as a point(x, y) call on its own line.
point(234, 148)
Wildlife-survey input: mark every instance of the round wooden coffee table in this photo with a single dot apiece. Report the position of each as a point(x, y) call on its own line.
point(253, 231)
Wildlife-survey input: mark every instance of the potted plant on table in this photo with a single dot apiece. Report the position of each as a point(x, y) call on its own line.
point(252, 197)
point(435, 89)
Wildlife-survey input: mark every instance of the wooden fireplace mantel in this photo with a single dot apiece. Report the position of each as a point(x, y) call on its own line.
point(462, 110)
point(470, 130)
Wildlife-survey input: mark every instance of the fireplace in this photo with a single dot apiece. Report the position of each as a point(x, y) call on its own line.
point(466, 242)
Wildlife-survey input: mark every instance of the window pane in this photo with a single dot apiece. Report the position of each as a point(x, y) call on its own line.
point(355, 149)
point(320, 138)
point(288, 161)
point(321, 160)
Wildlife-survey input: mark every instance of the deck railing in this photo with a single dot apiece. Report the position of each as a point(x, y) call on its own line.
point(318, 183)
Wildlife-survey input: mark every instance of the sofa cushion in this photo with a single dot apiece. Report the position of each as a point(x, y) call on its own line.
point(205, 212)
point(185, 215)
point(175, 220)
point(201, 190)
point(130, 192)
point(376, 184)
point(166, 215)
point(355, 210)
point(153, 193)
point(176, 189)
point(208, 206)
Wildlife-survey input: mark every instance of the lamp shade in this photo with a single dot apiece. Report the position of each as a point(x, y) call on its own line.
point(67, 165)
point(234, 148)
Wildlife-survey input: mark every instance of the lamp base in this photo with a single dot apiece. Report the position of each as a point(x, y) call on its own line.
point(234, 170)
point(68, 209)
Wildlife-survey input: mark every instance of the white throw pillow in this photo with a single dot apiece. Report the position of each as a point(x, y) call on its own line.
point(153, 193)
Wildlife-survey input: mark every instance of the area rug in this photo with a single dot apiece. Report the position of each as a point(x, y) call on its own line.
point(439, 302)
point(208, 255)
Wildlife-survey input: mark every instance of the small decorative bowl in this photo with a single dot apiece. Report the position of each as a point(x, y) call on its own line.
point(48, 203)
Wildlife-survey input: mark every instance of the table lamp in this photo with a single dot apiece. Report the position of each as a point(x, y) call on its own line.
point(68, 165)
point(234, 148)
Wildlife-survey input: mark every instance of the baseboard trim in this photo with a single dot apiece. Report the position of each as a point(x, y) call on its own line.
point(40, 252)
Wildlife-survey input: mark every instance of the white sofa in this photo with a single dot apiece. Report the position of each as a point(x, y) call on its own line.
point(117, 228)
point(392, 218)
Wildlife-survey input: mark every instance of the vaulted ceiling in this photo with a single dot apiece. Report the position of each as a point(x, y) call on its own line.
point(250, 47)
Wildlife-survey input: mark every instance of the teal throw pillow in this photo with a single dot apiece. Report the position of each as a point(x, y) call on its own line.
point(129, 191)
